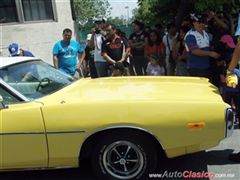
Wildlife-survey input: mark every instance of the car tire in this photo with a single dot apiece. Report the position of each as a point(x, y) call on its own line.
point(124, 155)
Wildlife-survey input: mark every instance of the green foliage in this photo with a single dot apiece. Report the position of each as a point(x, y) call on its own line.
point(156, 11)
point(86, 10)
point(145, 12)
point(164, 11)
point(215, 5)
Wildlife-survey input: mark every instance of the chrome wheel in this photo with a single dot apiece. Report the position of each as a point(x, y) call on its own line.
point(123, 160)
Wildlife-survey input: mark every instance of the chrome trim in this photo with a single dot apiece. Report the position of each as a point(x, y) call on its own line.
point(18, 133)
point(37, 169)
point(17, 60)
point(56, 132)
point(229, 122)
point(65, 132)
point(130, 127)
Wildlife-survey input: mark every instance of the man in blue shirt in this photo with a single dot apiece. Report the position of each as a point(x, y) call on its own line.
point(68, 55)
point(15, 50)
point(198, 48)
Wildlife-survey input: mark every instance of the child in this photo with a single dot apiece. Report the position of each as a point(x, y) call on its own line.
point(155, 68)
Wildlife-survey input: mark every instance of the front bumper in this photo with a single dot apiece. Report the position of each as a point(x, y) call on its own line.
point(229, 120)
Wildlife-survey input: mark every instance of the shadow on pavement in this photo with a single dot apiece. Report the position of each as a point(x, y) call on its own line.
point(197, 162)
point(83, 173)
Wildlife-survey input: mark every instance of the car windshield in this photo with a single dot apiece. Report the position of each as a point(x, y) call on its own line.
point(35, 79)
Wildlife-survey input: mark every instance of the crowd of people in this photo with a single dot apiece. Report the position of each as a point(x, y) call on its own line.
point(201, 47)
point(194, 49)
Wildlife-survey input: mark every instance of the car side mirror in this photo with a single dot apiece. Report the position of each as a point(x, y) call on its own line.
point(2, 105)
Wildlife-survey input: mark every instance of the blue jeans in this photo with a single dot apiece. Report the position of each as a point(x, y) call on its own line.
point(181, 69)
point(102, 69)
point(200, 73)
point(92, 68)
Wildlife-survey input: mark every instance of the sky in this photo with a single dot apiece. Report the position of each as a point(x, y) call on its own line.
point(119, 7)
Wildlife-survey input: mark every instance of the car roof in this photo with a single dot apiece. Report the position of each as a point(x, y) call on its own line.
point(6, 61)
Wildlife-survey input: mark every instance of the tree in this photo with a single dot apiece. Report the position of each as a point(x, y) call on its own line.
point(144, 12)
point(86, 10)
point(165, 11)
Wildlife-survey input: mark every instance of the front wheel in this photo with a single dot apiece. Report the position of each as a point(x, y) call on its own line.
point(124, 156)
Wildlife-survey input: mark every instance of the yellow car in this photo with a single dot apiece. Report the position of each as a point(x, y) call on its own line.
point(124, 125)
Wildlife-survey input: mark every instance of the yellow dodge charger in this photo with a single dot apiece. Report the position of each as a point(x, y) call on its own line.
point(124, 125)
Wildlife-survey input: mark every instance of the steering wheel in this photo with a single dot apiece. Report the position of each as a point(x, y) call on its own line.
point(42, 81)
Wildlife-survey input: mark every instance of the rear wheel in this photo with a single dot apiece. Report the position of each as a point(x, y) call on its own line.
point(124, 155)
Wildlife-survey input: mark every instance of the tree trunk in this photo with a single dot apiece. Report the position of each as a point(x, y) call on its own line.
point(183, 10)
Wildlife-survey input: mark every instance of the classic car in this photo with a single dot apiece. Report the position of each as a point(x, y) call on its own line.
point(124, 125)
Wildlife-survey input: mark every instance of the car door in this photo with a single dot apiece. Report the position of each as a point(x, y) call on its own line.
point(22, 133)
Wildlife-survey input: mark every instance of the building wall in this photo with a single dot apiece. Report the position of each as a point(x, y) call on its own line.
point(38, 37)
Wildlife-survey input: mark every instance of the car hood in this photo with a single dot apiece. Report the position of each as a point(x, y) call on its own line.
point(137, 89)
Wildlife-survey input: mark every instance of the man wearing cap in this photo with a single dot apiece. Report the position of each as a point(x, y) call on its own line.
point(228, 47)
point(228, 40)
point(235, 58)
point(21, 74)
point(97, 39)
point(198, 48)
point(15, 50)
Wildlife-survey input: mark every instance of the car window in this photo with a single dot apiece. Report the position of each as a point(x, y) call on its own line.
point(8, 98)
point(35, 79)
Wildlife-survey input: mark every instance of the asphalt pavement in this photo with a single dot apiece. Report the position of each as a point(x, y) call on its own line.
point(213, 161)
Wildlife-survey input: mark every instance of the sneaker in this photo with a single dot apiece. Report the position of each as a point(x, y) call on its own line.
point(234, 157)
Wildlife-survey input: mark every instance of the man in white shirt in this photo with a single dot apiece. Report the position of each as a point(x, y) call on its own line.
point(98, 36)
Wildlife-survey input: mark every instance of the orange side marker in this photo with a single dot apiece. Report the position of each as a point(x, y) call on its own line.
point(196, 125)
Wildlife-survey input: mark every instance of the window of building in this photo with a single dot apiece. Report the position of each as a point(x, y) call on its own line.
point(8, 11)
point(35, 10)
point(25, 10)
